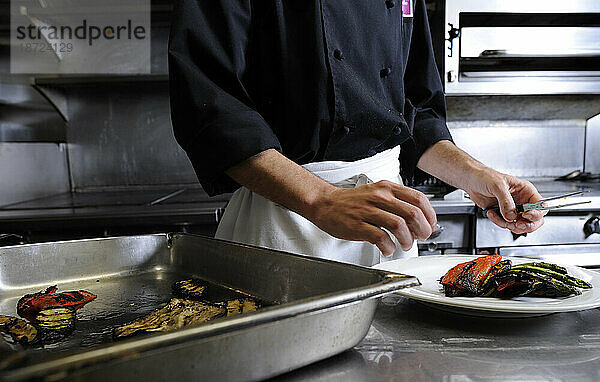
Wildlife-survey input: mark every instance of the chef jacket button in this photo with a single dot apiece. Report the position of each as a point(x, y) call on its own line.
point(397, 129)
point(385, 72)
point(389, 4)
point(338, 54)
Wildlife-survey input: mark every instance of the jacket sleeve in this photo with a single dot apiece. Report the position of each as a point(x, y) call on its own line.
point(426, 105)
point(212, 112)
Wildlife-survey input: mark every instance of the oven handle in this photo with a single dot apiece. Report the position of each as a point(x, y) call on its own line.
point(523, 53)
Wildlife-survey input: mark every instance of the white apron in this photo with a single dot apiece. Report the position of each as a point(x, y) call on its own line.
point(252, 219)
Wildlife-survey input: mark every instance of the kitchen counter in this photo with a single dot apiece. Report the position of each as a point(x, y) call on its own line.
point(187, 208)
point(409, 341)
point(166, 207)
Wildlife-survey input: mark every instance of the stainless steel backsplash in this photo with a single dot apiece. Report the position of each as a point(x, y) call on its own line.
point(524, 148)
point(120, 135)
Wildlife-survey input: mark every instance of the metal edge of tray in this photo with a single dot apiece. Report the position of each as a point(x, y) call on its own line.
point(77, 359)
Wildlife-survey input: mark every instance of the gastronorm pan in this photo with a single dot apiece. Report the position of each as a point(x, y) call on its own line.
point(322, 308)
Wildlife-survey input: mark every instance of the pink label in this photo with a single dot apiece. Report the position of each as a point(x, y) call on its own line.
point(407, 10)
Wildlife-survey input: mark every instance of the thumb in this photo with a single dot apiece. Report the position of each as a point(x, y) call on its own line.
point(505, 202)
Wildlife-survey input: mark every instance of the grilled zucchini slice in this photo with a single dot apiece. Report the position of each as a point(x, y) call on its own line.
point(55, 323)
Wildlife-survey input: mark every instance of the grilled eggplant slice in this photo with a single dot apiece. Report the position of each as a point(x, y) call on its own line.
point(175, 315)
point(190, 288)
point(20, 330)
point(50, 325)
point(241, 305)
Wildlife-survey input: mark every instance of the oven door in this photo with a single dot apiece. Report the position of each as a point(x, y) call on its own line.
point(510, 48)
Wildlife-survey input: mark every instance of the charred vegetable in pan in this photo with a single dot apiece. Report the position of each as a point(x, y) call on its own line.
point(180, 312)
point(30, 304)
point(55, 323)
point(490, 276)
point(239, 306)
point(20, 330)
point(51, 315)
point(176, 314)
point(190, 288)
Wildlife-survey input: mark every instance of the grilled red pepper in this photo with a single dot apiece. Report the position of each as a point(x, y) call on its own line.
point(467, 279)
point(31, 304)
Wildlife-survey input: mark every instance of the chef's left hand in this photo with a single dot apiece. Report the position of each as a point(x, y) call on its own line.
point(489, 188)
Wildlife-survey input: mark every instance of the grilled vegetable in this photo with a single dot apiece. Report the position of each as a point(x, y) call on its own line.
point(505, 280)
point(20, 330)
point(55, 318)
point(467, 279)
point(239, 306)
point(190, 288)
point(553, 267)
point(541, 269)
point(55, 323)
point(175, 315)
point(30, 304)
point(490, 283)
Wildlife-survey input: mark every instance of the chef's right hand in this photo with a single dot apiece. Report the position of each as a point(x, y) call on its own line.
point(360, 213)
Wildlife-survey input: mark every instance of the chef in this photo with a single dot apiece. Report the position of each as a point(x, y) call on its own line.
point(311, 111)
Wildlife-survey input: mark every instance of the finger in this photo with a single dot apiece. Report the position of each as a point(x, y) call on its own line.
point(533, 215)
point(519, 227)
point(530, 192)
point(525, 226)
point(498, 220)
point(413, 217)
point(417, 199)
point(380, 238)
point(505, 202)
point(396, 225)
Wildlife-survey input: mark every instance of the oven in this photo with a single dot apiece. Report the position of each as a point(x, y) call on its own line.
point(522, 47)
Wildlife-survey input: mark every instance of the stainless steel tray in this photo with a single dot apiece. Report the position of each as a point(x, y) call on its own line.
point(324, 308)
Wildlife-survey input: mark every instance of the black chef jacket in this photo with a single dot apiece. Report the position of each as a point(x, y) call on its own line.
point(314, 79)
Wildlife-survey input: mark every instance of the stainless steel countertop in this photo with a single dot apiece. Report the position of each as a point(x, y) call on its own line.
point(409, 341)
point(194, 205)
point(123, 207)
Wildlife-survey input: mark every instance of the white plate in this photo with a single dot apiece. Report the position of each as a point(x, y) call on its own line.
point(429, 269)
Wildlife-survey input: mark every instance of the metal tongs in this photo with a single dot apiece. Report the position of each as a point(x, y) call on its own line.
point(541, 205)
